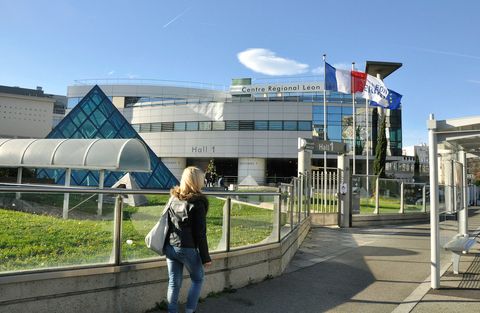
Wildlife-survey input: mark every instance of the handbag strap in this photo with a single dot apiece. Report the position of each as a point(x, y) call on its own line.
point(167, 206)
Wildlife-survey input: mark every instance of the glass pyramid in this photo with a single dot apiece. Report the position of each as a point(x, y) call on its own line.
point(95, 116)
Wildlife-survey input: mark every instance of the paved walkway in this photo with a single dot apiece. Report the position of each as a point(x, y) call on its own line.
point(381, 269)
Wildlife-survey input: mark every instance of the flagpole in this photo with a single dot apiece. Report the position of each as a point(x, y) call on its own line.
point(354, 133)
point(367, 136)
point(324, 130)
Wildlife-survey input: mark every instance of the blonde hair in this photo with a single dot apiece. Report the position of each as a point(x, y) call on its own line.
point(190, 185)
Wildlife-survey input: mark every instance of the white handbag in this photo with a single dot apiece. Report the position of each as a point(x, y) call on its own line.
point(155, 239)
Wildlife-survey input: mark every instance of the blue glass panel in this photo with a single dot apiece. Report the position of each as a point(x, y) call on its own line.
point(117, 120)
point(317, 109)
point(127, 132)
point(334, 132)
point(77, 135)
point(88, 130)
point(97, 118)
point(334, 110)
point(304, 125)
point(97, 97)
point(79, 117)
point(67, 129)
point(78, 177)
point(275, 125)
point(55, 134)
point(290, 125)
point(106, 107)
point(88, 106)
point(261, 125)
point(91, 179)
point(108, 131)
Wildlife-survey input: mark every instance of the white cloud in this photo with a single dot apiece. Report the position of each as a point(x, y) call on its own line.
point(342, 66)
point(473, 81)
point(267, 62)
point(111, 72)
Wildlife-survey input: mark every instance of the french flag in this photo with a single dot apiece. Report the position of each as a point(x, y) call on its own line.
point(343, 80)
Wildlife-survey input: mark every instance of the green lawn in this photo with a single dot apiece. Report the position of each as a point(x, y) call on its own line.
point(36, 240)
point(386, 206)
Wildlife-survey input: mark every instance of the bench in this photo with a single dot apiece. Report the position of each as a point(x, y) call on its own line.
point(460, 245)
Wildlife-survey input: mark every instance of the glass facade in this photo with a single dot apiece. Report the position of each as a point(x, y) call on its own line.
point(96, 117)
point(340, 123)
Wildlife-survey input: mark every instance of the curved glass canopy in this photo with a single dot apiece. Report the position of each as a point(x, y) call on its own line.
point(128, 155)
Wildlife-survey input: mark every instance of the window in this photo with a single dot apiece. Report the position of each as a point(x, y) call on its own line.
point(179, 126)
point(334, 110)
point(304, 125)
point(167, 127)
point(334, 132)
point(232, 125)
point(156, 127)
point(72, 102)
point(192, 126)
point(145, 128)
point(246, 125)
point(275, 125)
point(218, 125)
point(205, 125)
point(290, 125)
point(261, 125)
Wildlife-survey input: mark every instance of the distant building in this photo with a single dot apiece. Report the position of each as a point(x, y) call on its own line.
point(29, 113)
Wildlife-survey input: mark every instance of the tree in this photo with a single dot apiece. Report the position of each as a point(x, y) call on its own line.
point(359, 144)
point(211, 173)
point(381, 149)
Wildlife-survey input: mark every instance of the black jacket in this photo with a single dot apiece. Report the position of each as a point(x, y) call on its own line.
point(188, 229)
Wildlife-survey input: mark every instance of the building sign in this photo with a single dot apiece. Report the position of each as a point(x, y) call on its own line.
point(276, 88)
point(203, 149)
point(328, 146)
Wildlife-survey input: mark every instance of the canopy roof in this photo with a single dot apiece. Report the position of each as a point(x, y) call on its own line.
point(460, 133)
point(128, 155)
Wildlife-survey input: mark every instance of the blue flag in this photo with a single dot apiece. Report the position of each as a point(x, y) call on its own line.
point(392, 101)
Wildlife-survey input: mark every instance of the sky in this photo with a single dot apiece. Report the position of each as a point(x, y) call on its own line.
point(53, 43)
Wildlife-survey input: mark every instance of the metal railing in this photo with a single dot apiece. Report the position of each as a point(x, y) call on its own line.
point(374, 195)
point(37, 238)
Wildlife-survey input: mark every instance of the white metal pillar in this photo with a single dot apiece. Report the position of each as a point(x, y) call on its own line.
point(463, 214)
point(434, 214)
point(66, 196)
point(18, 195)
point(345, 199)
point(101, 179)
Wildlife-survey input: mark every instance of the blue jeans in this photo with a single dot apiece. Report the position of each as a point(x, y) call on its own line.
point(177, 257)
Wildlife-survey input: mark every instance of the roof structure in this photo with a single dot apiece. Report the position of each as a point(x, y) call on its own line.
point(96, 117)
point(460, 134)
point(128, 155)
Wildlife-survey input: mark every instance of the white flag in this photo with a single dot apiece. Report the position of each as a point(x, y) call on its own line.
point(375, 90)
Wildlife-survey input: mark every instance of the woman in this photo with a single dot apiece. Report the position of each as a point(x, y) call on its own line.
point(186, 242)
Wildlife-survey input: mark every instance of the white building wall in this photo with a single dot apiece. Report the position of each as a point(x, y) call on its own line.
point(25, 116)
point(218, 144)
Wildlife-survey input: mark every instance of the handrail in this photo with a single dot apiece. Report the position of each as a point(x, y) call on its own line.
point(117, 220)
point(115, 191)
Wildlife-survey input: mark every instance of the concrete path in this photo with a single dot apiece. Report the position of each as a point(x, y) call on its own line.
point(340, 270)
point(380, 269)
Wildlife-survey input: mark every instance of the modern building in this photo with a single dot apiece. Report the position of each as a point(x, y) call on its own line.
point(248, 129)
point(29, 113)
